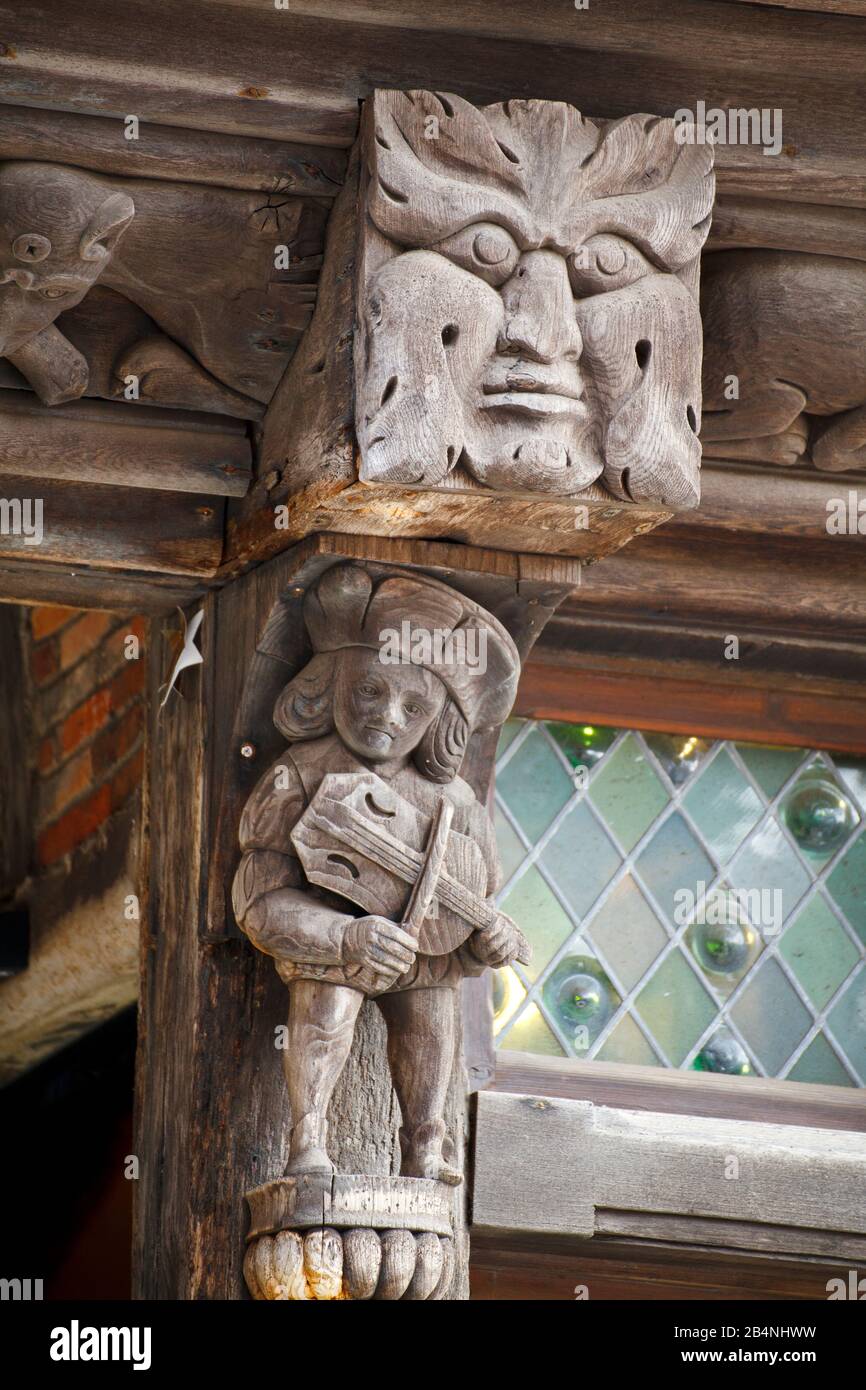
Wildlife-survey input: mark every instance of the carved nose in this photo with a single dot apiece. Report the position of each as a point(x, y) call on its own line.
point(540, 322)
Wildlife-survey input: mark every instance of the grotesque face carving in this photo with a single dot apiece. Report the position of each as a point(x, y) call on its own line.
point(58, 228)
point(528, 298)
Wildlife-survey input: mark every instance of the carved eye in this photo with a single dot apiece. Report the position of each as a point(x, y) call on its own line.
point(366, 689)
point(485, 249)
point(54, 292)
point(604, 263)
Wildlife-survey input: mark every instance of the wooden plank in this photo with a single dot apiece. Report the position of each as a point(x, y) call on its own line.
point(586, 1159)
point(791, 501)
point(170, 532)
point(706, 707)
point(298, 74)
point(97, 442)
point(169, 152)
point(819, 228)
point(609, 1267)
point(81, 587)
point(666, 1091)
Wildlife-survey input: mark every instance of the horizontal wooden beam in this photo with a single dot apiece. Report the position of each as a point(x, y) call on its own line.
point(706, 708)
point(601, 1171)
point(123, 445)
point(671, 1092)
point(297, 74)
point(79, 523)
point(169, 152)
point(77, 586)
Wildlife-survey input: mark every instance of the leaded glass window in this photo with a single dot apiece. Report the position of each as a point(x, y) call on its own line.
point(690, 903)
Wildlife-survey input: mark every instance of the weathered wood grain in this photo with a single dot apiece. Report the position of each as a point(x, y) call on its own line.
point(124, 446)
point(169, 532)
point(170, 152)
point(589, 1159)
point(79, 586)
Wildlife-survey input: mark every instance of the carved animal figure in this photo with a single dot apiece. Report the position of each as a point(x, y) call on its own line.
point(791, 328)
point(58, 230)
point(528, 305)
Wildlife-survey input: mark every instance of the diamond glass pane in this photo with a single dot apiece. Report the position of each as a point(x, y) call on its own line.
point(615, 877)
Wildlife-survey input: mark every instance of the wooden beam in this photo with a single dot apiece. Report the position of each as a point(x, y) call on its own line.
point(169, 532)
point(707, 708)
point(682, 1178)
point(298, 75)
point(77, 586)
point(671, 1092)
point(124, 445)
point(169, 152)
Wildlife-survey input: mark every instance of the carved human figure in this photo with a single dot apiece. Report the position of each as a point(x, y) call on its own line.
point(528, 298)
point(389, 693)
point(58, 231)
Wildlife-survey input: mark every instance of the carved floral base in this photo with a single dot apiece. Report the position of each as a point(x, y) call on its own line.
point(317, 1237)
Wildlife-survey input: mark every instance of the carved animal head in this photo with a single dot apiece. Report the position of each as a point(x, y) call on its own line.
point(58, 229)
point(528, 303)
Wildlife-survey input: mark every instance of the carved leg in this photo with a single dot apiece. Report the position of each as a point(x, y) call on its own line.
point(55, 369)
point(320, 1030)
point(421, 1037)
point(842, 443)
point(764, 425)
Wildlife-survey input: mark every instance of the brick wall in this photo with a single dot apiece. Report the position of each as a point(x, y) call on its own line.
point(88, 721)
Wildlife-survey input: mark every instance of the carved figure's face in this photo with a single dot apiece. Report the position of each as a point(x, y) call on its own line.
point(58, 228)
point(531, 313)
point(382, 712)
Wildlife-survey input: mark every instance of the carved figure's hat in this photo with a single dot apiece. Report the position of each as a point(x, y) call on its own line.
point(416, 620)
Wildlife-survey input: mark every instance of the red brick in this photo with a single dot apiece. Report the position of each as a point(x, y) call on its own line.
point(45, 661)
point(127, 780)
point(75, 826)
point(82, 636)
point(47, 618)
point(72, 781)
point(115, 741)
point(86, 720)
point(128, 682)
point(47, 755)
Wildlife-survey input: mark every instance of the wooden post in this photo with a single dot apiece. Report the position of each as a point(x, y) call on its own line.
point(213, 1118)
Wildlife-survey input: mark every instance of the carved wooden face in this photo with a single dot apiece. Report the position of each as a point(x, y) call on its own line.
point(58, 228)
point(528, 306)
point(382, 712)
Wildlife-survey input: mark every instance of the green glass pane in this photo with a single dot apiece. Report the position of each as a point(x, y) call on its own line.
point(820, 1064)
point(535, 785)
point(508, 997)
point(722, 939)
point(579, 997)
point(627, 933)
point(819, 814)
point(772, 873)
point(679, 754)
point(847, 885)
point(673, 864)
point(847, 1023)
point(723, 805)
point(818, 951)
point(724, 1054)
point(770, 767)
point(511, 851)
point(627, 1044)
point(580, 858)
point(771, 1016)
point(540, 917)
point(675, 1007)
point(510, 729)
point(852, 772)
point(531, 1034)
point(627, 792)
point(583, 744)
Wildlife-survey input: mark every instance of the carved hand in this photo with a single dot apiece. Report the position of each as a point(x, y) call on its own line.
point(380, 944)
point(496, 945)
